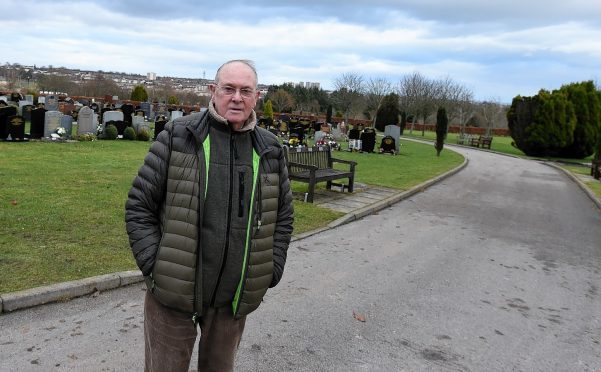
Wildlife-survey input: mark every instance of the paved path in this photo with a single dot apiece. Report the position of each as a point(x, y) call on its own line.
point(496, 268)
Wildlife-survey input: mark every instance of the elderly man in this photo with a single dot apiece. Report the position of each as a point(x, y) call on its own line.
point(209, 219)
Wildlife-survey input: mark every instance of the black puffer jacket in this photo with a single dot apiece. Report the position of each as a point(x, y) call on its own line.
point(164, 214)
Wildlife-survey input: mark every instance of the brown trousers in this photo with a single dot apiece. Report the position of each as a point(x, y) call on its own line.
point(169, 338)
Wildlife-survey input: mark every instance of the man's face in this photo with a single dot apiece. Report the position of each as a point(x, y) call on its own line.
point(235, 94)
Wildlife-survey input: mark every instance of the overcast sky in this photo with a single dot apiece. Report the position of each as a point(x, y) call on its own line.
point(498, 49)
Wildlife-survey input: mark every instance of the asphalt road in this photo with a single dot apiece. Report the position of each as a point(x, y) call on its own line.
point(496, 268)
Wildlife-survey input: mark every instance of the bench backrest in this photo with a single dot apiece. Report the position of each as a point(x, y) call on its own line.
point(319, 156)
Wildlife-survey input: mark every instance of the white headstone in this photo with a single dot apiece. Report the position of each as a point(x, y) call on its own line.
point(176, 114)
point(42, 100)
point(52, 120)
point(395, 132)
point(337, 134)
point(112, 116)
point(85, 121)
point(67, 123)
point(137, 122)
point(29, 98)
point(23, 103)
point(319, 135)
point(51, 103)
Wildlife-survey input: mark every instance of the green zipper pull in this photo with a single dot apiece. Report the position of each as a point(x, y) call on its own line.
point(195, 318)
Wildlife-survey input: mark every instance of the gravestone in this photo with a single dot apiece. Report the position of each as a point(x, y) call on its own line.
point(127, 110)
point(26, 112)
point(112, 116)
point(388, 145)
point(140, 113)
point(146, 107)
point(51, 103)
point(337, 134)
point(52, 121)
point(29, 98)
point(137, 121)
point(176, 114)
point(5, 113)
point(115, 118)
point(16, 128)
point(102, 112)
point(95, 107)
point(159, 125)
point(319, 135)
point(38, 116)
point(42, 100)
point(67, 123)
point(368, 139)
point(354, 134)
point(15, 97)
point(85, 121)
point(394, 131)
point(66, 108)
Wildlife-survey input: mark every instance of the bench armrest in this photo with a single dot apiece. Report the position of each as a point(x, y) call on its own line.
point(351, 163)
point(334, 160)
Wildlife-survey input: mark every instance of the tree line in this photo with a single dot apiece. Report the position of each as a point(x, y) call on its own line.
point(414, 98)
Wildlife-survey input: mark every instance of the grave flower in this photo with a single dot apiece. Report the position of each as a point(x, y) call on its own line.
point(59, 132)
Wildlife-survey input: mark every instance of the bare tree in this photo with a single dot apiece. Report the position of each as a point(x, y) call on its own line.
point(281, 100)
point(375, 91)
point(457, 99)
point(491, 111)
point(418, 97)
point(349, 90)
point(101, 86)
point(56, 84)
point(408, 89)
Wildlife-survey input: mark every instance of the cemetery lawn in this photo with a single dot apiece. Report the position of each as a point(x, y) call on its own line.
point(593, 184)
point(62, 204)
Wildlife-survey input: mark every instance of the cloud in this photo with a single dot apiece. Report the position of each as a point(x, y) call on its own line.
point(502, 48)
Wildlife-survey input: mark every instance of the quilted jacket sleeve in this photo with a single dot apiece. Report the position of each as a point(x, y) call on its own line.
point(285, 219)
point(144, 201)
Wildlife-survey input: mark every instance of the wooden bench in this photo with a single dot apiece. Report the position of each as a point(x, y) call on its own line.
point(316, 164)
point(485, 142)
point(481, 141)
point(596, 169)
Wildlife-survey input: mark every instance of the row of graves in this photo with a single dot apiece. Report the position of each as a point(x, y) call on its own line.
point(294, 133)
point(51, 118)
point(364, 140)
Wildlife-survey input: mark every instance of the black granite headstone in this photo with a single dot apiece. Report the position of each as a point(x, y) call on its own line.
point(37, 123)
point(388, 145)
point(5, 113)
point(368, 140)
point(159, 125)
point(16, 128)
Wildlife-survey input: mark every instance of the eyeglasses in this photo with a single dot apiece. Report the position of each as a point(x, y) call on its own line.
point(228, 91)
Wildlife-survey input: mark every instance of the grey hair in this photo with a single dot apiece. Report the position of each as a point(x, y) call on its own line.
point(246, 62)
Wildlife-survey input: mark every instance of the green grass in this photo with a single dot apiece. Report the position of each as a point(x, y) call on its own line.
point(62, 204)
point(593, 184)
point(499, 143)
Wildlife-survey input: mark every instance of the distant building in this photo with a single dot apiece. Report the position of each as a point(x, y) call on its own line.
point(152, 76)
